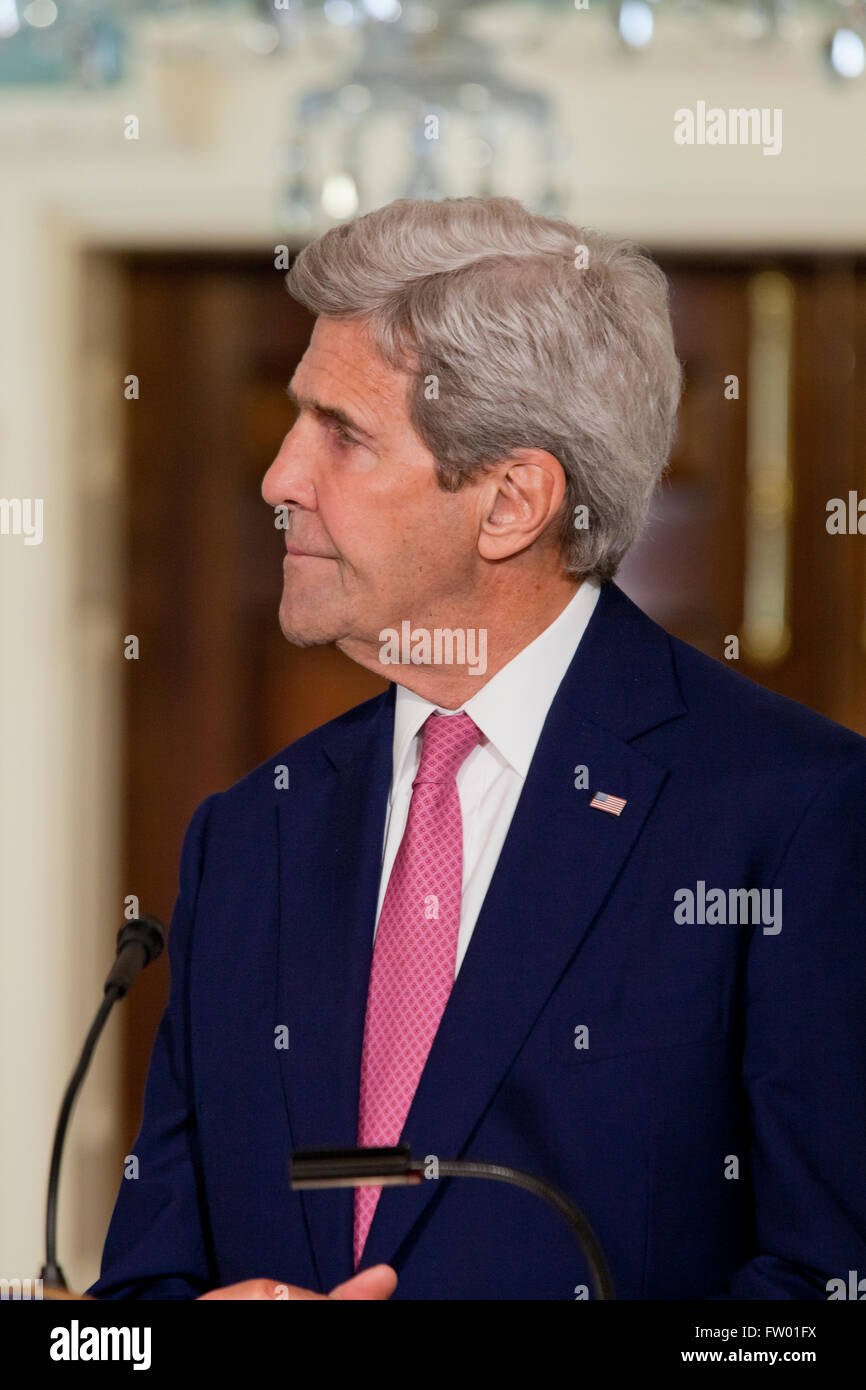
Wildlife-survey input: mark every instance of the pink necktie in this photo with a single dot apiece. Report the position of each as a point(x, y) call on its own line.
point(415, 951)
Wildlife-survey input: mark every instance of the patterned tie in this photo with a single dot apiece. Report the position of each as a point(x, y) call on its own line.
point(416, 947)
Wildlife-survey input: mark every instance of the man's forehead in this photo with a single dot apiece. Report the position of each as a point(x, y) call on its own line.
point(341, 361)
point(343, 348)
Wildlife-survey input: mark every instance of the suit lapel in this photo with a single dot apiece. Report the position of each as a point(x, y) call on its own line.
point(331, 824)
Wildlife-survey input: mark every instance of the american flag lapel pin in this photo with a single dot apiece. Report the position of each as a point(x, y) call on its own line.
point(603, 801)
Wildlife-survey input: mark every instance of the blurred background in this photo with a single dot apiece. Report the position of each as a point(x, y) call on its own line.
point(159, 165)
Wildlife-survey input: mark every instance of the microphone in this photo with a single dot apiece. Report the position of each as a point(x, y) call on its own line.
point(138, 943)
point(395, 1167)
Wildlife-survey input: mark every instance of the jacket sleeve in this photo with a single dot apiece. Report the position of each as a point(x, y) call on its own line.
point(158, 1243)
point(804, 1065)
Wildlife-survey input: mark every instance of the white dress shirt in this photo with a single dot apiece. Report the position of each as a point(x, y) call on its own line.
point(510, 710)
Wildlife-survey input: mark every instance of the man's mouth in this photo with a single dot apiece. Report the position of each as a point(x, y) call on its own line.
point(292, 553)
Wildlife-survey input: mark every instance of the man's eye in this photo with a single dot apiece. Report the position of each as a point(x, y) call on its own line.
point(340, 432)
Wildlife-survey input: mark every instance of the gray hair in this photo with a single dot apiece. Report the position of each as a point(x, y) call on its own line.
point(528, 333)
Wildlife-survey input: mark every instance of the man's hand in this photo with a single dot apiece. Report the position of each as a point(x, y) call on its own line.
point(378, 1282)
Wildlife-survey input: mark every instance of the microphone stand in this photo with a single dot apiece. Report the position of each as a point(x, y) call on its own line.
point(51, 1272)
point(138, 943)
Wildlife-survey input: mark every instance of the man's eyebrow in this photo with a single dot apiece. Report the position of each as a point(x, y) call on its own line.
point(331, 412)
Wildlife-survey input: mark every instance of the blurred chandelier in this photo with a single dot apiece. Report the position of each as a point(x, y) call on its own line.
point(408, 68)
point(418, 73)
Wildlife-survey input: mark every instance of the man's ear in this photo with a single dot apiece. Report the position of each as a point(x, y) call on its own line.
point(521, 497)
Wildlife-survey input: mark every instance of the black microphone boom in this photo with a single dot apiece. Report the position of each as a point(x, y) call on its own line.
point(395, 1167)
point(138, 943)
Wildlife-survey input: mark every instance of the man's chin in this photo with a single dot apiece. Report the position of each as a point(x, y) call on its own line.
point(307, 629)
point(306, 636)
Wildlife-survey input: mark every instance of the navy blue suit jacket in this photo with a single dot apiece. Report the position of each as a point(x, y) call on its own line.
point(712, 1129)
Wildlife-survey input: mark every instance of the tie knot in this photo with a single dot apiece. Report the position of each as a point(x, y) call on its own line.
point(447, 742)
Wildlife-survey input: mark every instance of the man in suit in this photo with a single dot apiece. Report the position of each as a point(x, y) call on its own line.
point(570, 896)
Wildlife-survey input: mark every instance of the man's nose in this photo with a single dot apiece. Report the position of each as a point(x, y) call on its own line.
point(289, 479)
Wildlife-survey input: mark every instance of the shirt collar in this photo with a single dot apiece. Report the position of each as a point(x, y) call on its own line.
point(510, 709)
